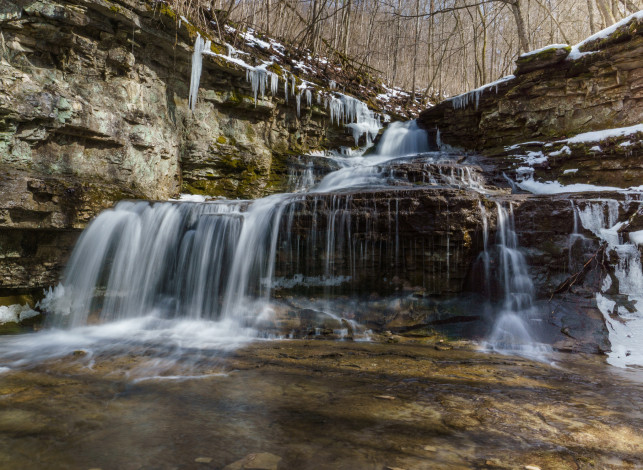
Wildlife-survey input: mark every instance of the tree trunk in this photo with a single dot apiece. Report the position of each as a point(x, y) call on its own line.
point(606, 12)
point(590, 9)
point(415, 48)
point(520, 25)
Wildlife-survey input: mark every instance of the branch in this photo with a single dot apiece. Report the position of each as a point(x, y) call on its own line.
point(574, 278)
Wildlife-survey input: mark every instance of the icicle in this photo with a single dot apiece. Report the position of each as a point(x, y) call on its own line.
point(292, 91)
point(286, 87)
point(332, 84)
point(197, 66)
point(309, 97)
point(355, 115)
point(258, 77)
point(298, 99)
point(274, 83)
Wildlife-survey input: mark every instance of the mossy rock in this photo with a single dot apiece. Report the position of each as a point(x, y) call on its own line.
point(544, 58)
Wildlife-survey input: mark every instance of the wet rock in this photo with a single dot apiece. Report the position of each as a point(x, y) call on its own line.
point(385, 397)
point(258, 461)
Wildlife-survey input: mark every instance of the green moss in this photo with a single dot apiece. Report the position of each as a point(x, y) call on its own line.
point(221, 140)
point(10, 328)
point(545, 54)
point(164, 9)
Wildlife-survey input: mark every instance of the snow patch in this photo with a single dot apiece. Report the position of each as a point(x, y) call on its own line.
point(542, 49)
point(597, 136)
point(554, 187)
point(564, 151)
point(637, 237)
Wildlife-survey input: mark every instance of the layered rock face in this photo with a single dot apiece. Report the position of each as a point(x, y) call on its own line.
point(555, 94)
point(598, 86)
point(93, 109)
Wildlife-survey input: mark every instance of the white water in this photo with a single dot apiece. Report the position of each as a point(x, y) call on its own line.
point(180, 281)
point(515, 325)
point(403, 138)
point(400, 139)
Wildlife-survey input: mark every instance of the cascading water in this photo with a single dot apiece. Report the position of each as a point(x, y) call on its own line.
point(403, 138)
point(400, 139)
point(515, 325)
point(167, 278)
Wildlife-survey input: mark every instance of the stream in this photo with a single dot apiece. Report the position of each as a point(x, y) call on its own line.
point(188, 334)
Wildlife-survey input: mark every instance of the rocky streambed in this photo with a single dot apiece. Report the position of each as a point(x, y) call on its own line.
point(396, 403)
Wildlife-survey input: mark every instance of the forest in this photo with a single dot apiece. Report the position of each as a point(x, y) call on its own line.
point(434, 48)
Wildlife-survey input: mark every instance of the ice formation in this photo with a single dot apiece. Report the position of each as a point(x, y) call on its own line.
point(463, 100)
point(355, 115)
point(624, 320)
point(200, 45)
point(16, 313)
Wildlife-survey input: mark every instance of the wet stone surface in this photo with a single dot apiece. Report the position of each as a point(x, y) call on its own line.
point(324, 404)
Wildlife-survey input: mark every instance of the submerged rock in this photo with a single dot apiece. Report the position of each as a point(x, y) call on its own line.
point(259, 461)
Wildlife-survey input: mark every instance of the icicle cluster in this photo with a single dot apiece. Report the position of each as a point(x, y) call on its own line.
point(462, 101)
point(355, 115)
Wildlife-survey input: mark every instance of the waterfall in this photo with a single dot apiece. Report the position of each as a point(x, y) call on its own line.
point(403, 138)
point(514, 327)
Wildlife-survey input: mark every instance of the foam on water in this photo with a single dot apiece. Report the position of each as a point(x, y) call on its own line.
point(168, 346)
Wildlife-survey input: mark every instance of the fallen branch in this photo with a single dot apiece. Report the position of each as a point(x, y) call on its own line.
point(580, 275)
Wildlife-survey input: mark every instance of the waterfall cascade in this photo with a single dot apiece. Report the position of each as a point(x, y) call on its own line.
point(403, 138)
point(347, 237)
point(514, 329)
point(221, 260)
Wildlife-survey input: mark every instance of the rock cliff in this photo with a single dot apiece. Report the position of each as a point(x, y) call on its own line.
point(94, 109)
point(556, 93)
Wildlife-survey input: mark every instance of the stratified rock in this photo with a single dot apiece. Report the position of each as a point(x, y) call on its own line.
point(93, 110)
point(542, 58)
point(599, 90)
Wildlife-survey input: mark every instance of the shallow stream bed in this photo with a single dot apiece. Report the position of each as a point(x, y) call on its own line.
point(324, 405)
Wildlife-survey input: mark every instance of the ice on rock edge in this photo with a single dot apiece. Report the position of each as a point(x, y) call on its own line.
point(463, 100)
point(625, 325)
point(16, 313)
point(355, 115)
point(346, 110)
